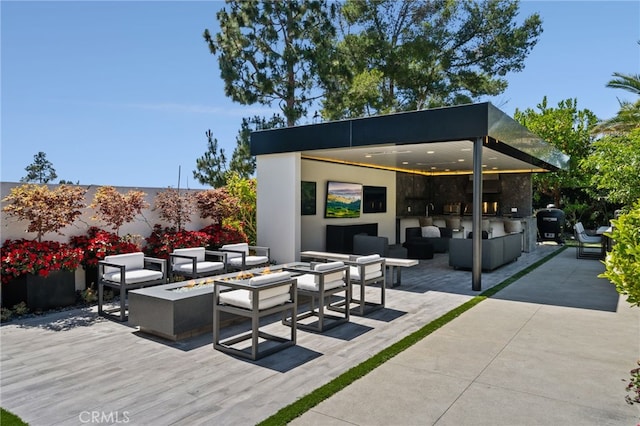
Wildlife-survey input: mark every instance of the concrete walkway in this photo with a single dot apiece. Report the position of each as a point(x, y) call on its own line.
point(553, 348)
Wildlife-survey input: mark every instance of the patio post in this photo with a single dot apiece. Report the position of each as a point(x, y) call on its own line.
point(476, 228)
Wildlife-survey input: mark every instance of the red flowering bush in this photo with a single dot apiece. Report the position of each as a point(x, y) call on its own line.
point(22, 257)
point(98, 243)
point(223, 234)
point(163, 241)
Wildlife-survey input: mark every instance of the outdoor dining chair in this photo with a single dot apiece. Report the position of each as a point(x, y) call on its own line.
point(320, 283)
point(589, 246)
point(126, 272)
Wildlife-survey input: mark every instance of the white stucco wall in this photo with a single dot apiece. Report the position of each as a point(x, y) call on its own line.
point(313, 227)
point(278, 205)
point(280, 224)
point(142, 225)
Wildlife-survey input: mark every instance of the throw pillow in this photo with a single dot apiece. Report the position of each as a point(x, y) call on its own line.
point(453, 223)
point(512, 226)
point(425, 221)
point(430, 232)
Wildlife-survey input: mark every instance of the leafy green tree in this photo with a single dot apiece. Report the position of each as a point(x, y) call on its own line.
point(407, 55)
point(614, 167)
point(245, 192)
point(622, 264)
point(40, 171)
point(628, 117)
point(569, 130)
point(274, 51)
point(212, 166)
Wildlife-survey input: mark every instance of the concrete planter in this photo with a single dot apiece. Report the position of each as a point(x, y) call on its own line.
point(56, 290)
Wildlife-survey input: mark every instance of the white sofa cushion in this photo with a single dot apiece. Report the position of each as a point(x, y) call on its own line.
point(134, 276)
point(370, 271)
point(243, 247)
point(332, 280)
point(242, 299)
point(269, 279)
point(248, 260)
point(197, 252)
point(430, 232)
point(206, 266)
point(129, 260)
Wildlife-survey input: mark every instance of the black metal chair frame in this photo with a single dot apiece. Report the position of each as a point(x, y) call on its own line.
point(254, 314)
point(124, 287)
point(211, 253)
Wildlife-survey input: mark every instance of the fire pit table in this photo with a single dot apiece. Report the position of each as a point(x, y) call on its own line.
point(183, 309)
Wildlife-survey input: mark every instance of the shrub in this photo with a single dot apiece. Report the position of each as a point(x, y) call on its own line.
point(163, 241)
point(223, 234)
point(622, 264)
point(98, 243)
point(21, 257)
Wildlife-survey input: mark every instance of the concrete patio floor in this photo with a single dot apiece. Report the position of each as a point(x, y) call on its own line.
point(63, 368)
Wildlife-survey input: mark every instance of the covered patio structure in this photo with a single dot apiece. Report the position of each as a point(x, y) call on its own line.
point(475, 140)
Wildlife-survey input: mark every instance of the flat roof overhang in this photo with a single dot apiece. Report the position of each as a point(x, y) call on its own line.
point(430, 142)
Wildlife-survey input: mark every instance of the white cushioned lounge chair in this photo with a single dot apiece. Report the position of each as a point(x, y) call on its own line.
point(196, 262)
point(240, 257)
point(126, 272)
point(320, 284)
point(258, 297)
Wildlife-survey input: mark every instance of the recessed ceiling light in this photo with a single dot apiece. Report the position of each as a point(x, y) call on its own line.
point(460, 160)
point(405, 162)
point(447, 170)
point(368, 156)
point(484, 165)
point(465, 149)
point(431, 152)
point(494, 168)
point(433, 168)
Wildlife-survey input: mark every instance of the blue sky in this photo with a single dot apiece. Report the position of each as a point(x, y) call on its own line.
point(122, 93)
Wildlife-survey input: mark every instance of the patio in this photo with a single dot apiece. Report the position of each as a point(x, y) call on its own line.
point(60, 367)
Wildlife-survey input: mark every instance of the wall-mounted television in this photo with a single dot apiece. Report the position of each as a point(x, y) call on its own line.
point(374, 199)
point(343, 200)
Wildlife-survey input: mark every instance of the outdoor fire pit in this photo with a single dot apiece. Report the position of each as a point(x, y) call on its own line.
point(183, 309)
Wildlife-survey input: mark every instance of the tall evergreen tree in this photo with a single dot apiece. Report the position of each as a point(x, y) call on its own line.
point(274, 51)
point(212, 166)
point(242, 162)
point(405, 55)
point(40, 171)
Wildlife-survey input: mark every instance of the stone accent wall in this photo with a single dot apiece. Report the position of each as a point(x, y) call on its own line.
point(415, 192)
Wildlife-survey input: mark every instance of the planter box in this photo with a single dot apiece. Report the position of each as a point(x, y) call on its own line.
point(40, 293)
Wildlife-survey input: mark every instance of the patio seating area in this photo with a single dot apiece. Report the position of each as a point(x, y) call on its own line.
point(100, 365)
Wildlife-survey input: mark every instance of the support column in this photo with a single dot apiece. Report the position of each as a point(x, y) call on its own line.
point(476, 271)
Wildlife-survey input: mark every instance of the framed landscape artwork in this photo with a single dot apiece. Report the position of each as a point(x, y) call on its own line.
point(343, 200)
point(308, 198)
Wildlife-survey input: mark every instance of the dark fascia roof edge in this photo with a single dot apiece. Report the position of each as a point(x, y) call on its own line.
point(463, 122)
